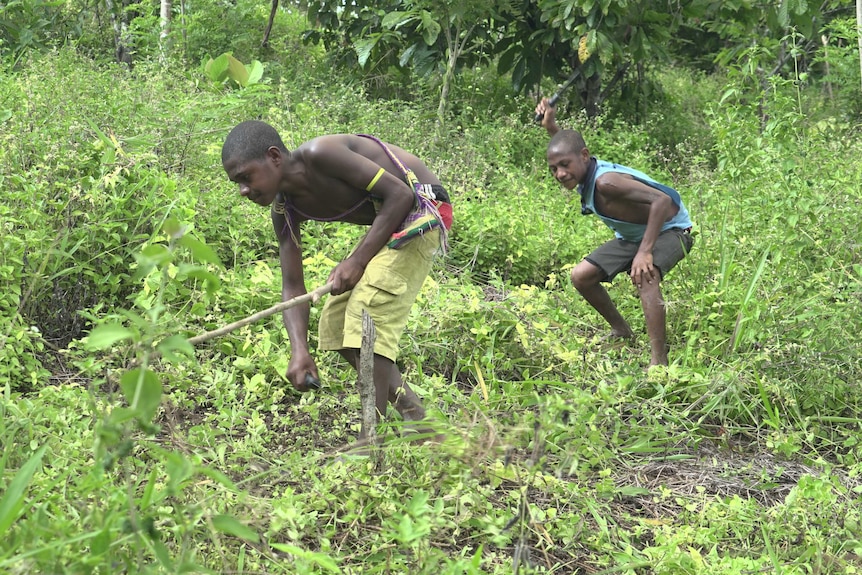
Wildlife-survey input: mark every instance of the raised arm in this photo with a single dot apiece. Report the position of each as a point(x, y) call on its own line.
point(549, 116)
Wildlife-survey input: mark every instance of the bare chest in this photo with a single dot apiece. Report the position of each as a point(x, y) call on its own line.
point(330, 199)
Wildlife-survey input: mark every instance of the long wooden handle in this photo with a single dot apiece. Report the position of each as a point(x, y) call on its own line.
point(312, 297)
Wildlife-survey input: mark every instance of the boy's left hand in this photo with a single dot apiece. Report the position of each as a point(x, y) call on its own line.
point(642, 269)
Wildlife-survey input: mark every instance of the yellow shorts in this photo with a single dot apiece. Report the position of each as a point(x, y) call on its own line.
point(387, 290)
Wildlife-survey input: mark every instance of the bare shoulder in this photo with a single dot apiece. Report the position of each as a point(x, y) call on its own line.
point(617, 187)
point(610, 181)
point(613, 185)
point(326, 151)
point(323, 145)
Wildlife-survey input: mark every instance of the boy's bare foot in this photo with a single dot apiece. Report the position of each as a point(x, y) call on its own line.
point(656, 372)
point(617, 338)
point(421, 432)
point(659, 357)
point(361, 447)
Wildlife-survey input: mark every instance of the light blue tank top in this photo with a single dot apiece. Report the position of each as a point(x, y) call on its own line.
point(626, 230)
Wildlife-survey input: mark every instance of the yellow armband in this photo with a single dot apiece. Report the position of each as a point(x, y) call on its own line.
point(380, 172)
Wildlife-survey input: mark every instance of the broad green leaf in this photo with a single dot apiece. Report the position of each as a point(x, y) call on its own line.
point(255, 72)
point(143, 392)
point(109, 156)
point(176, 343)
point(507, 58)
point(476, 561)
point(406, 56)
point(418, 503)
point(163, 555)
point(13, 498)
point(518, 73)
point(424, 62)
point(216, 70)
point(147, 495)
point(783, 17)
point(105, 335)
point(218, 476)
point(200, 251)
point(198, 272)
point(395, 19)
point(321, 559)
point(179, 470)
point(120, 415)
point(155, 255)
point(173, 228)
point(236, 71)
point(363, 48)
point(430, 28)
point(5, 115)
point(231, 526)
point(100, 134)
point(101, 542)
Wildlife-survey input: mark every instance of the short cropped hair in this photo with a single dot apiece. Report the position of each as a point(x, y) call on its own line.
point(249, 141)
point(569, 140)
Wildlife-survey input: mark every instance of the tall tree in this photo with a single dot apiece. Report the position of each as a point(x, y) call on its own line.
point(466, 28)
point(433, 37)
point(120, 23)
point(534, 40)
point(166, 7)
point(272, 12)
point(26, 24)
point(859, 31)
point(544, 41)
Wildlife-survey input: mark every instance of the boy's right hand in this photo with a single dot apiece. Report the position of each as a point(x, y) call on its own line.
point(300, 366)
point(549, 115)
point(345, 276)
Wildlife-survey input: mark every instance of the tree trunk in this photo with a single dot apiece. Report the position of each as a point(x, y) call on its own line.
point(859, 31)
point(268, 30)
point(165, 23)
point(447, 83)
point(456, 42)
point(183, 28)
point(122, 50)
point(825, 41)
point(591, 92)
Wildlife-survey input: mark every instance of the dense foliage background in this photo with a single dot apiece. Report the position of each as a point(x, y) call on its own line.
point(125, 450)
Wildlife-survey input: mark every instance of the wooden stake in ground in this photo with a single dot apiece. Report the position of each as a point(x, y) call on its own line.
point(367, 393)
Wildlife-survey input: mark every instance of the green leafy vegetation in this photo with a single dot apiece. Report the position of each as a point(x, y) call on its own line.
point(125, 450)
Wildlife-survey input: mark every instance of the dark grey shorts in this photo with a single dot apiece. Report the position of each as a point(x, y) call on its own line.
point(616, 255)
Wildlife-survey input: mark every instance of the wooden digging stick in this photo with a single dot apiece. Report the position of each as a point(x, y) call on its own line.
point(312, 297)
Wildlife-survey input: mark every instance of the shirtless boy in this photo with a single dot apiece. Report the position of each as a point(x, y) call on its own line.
point(651, 225)
point(359, 180)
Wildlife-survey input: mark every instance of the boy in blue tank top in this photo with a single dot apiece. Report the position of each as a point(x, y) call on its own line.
point(650, 222)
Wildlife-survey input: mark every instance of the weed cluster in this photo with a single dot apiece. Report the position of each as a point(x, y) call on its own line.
point(127, 450)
